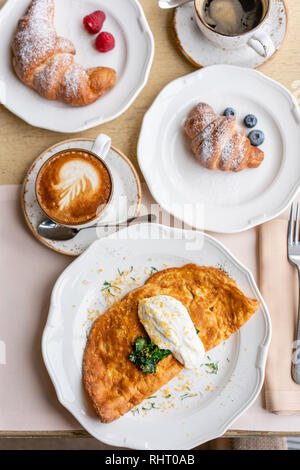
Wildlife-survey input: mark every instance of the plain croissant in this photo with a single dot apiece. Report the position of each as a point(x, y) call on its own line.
point(45, 62)
point(218, 142)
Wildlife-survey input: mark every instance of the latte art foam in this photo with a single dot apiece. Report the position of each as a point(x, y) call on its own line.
point(73, 187)
point(76, 177)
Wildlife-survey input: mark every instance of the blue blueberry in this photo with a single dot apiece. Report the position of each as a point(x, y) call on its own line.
point(229, 112)
point(256, 137)
point(250, 120)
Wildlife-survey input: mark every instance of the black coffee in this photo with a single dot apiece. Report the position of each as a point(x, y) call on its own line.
point(233, 17)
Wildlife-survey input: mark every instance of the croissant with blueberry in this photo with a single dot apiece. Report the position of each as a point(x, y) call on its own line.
point(45, 62)
point(218, 142)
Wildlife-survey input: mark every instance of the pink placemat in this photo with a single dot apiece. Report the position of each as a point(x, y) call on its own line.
point(28, 271)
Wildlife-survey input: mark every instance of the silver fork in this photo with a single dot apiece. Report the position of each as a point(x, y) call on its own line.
point(293, 248)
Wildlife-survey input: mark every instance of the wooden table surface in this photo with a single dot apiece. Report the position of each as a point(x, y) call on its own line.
point(20, 143)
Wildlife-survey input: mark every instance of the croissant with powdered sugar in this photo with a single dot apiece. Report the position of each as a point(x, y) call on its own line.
point(218, 142)
point(45, 62)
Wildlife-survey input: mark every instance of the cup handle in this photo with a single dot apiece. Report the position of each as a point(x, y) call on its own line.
point(102, 146)
point(262, 44)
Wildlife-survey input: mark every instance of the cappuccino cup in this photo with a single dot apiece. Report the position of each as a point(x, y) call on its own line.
point(74, 187)
point(231, 24)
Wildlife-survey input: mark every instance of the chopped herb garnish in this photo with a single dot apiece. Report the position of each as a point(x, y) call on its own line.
point(133, 279)
point(146, 355)
point(153, 396)
point(153, 270)
point(221, 268)
point(152, 407)
point(168, 396)
point(135, 411)
point(184, 396)
point(213, 366)
point(107, 286)
point(197, 331)
point(187, 395)
point(120, 272)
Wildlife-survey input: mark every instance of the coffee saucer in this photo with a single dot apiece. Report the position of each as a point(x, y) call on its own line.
point(201, 52)
point(125, 202)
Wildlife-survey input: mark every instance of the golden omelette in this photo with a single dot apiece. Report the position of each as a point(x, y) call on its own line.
point(114, 384)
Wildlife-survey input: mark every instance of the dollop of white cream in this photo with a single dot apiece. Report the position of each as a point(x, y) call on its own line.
point(169, 326)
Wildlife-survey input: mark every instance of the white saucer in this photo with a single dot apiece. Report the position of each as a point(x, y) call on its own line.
point(132, 59)
point(219, 201)
point(125, 202)
point(201, 52)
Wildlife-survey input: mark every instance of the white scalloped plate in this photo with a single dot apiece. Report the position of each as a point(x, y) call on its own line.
point(222, 202)
point(176, 422)
point(132, 59)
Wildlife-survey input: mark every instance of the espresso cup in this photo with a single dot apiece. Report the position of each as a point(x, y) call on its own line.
point(256, 38)
point(74, 187)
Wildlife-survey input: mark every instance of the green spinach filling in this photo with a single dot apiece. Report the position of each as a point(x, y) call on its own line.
point(146, 355)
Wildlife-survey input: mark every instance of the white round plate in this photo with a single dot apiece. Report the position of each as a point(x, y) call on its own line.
point(201, 52)
point(125, 202)
point(195, 406)
point(214, 200)
point(131, 58)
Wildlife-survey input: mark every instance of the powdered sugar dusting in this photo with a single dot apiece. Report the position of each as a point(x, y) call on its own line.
point(230, 148)
point(204, 134)
point(196, 124)
point(218, 142)
point(215, 142)
point(46, 77)
point(201, 108)
point(36, 35)
point(73, 79)
point(45, 62)
point(227, 151)
point(240, 154)
point(38, 48)
point(206, 150)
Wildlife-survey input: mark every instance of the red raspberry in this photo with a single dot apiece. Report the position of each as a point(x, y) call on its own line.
point(105, 42)
point(94, 22)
